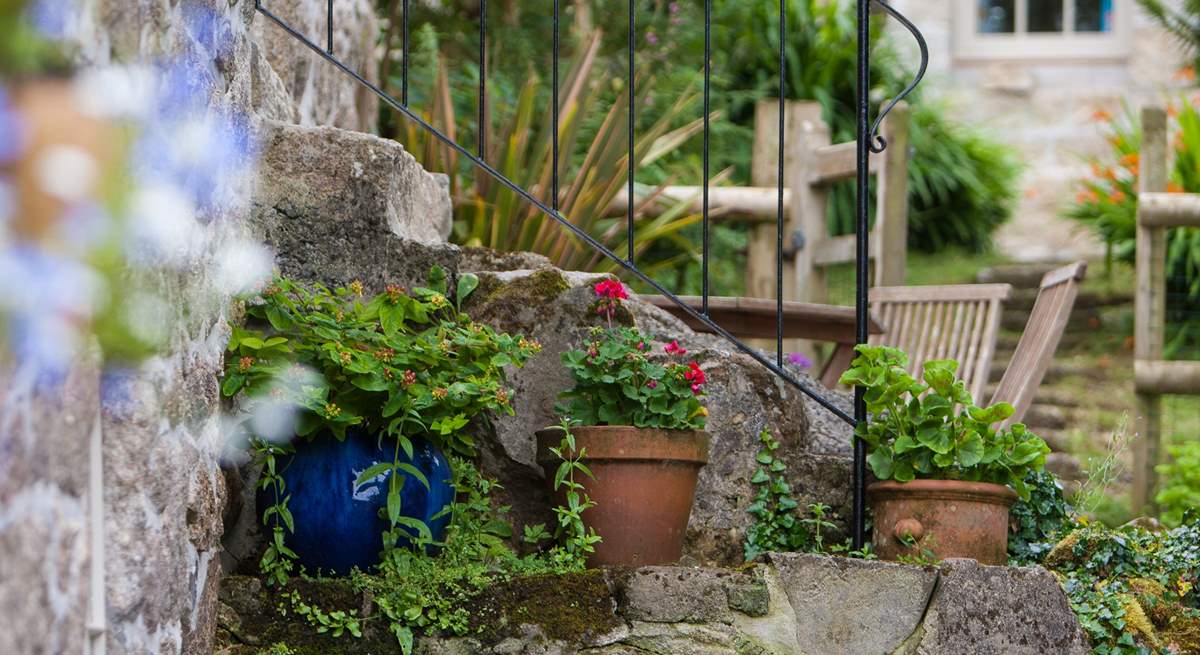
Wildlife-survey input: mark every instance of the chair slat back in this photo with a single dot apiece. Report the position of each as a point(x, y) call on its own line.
point(958, 321)
point(1043, 331)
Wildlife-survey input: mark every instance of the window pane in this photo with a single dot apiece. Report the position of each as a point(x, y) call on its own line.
point(996, 16)
point(1045, 15)
point(1093, 15)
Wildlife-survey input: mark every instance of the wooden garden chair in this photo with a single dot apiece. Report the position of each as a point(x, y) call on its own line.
point(1043, 331)
point(957, 321)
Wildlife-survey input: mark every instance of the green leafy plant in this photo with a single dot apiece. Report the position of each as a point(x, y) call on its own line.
point(618, 381)
point(336, 623)
point(1180, 482)
point(1107, 203)
point(399, 365)
point(577, 540)
point(918, 552)
point(1133, 590)
point(419, 593)
point(779, 525)
point(931, 429)
point(1183, 23)
point(1038, 520)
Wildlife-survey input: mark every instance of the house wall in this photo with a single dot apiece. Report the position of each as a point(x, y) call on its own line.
point(1045, 107)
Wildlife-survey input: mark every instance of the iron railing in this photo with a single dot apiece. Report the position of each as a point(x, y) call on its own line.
point(869, 141)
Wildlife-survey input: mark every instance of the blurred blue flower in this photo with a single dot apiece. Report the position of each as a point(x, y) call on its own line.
point(46, 301)
point(54, 18)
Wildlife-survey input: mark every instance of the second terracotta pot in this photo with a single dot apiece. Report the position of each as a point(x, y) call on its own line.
point(645, 482)
point(946, 518)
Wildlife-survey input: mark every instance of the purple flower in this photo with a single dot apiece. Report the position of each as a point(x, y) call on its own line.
point(799, 359)
point(651, 38)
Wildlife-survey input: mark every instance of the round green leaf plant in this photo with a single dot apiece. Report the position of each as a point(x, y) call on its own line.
point(619, 380)
point(932, 429)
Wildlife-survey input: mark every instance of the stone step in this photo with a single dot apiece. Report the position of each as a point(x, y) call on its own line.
point(1021, 276)
point(1044, 396)
point(1023, 299)
point(1058, 440)
point(1066, 467)
point(1045, 417)
point(1057, 371)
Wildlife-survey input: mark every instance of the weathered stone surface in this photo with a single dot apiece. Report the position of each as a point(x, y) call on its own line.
point(339, 205)
point(996, 609)
point(743, 397)
point(45, 554)
point(855, 607)
point(323, 94)
point(476, 259)
point(800, 605)
point(665, 594)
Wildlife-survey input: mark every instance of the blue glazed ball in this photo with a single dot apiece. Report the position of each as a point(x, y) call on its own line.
point(339, 524)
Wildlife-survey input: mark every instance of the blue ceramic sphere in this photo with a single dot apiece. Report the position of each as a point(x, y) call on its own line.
point(338, 523)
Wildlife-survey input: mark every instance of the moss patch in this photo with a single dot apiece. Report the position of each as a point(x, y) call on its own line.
point(572, 607)
point(261, 623)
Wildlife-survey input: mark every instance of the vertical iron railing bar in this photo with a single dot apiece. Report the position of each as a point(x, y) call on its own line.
point(779, 182)
point(632, 116)
point(404, 62)
point(562, 220)
point(861, 308)
point(483, 119)
point(707, 128)
point(329, 27)
point(554, 111)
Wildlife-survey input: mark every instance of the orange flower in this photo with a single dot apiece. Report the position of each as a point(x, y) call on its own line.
point(1108, 174)
point(1117, 196)
point(1174, 187)
point(1187, 74)
point(1130, 161)
point(1102, 115)
point(1086, 196)
point(1173, 110)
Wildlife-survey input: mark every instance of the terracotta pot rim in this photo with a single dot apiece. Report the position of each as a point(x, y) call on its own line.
point(981, 492)
point(609, 442)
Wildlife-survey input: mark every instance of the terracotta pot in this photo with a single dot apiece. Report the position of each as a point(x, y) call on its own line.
point(645, 481)
point(949, 518)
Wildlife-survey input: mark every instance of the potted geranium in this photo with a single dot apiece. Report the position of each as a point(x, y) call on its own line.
point(638, 423)
point(373, 394)
point(947, 477)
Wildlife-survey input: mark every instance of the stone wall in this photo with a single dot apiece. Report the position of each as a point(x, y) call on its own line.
point(791, 605)
point(163, 488)
point(1044, 107)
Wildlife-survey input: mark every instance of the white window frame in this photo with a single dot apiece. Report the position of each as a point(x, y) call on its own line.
point(972, 45)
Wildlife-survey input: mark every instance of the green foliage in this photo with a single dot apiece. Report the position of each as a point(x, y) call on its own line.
point(277, 648)
point(335, 623)
point(618, 382)
point(1107, 203)
point(23, 51)
point(1038, 520)
point(962, 184)
point(418, 593)
point(778, 525)
point(578, 541)
point(593, 164)
point(397, 365)
point(1134, 591)
point(932, 429)
point(1180, 482)
point(277, 561)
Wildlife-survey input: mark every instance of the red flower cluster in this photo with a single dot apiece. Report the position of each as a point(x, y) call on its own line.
point(695, 376)
point(674, 348)
point(611, 289)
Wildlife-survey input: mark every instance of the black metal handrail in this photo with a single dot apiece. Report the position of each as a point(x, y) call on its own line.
point(868, 141)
